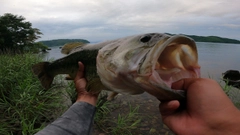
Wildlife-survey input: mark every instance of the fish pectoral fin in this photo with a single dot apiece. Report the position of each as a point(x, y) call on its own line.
point(95, 86)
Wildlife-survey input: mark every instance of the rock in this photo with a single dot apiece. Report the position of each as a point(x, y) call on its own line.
point(232, 78)
point(150, 101)
point(124, 103)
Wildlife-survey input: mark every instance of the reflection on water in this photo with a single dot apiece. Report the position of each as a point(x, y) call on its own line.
point(54, 53)
point(214, 58)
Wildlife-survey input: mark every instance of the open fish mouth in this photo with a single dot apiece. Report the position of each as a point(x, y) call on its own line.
point(148, 63)
point(170, 60)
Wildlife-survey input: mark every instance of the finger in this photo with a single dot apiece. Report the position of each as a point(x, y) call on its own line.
point(169, 107)
point(80, 72)
point(184, 83)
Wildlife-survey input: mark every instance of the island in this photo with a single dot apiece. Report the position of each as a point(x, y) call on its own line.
point(61, 42)
point(212, 39)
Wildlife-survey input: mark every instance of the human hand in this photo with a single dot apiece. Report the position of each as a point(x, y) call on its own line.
point(80, 84)
point(208, 110)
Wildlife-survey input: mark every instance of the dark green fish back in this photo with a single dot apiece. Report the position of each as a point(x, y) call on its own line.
point(67, 65)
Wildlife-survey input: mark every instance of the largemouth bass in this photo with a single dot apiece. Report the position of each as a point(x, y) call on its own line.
point(131, 65)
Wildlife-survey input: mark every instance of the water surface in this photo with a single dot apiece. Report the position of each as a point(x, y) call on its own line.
point(216, 58)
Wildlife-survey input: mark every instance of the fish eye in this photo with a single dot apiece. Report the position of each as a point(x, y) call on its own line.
point(145, 39)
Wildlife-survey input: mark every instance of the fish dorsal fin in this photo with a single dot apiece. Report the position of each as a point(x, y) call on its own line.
point(68, 47)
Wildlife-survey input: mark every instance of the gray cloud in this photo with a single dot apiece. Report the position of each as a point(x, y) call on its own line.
point(97, 20)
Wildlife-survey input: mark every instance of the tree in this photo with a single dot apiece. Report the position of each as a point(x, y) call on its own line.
point(16, 33)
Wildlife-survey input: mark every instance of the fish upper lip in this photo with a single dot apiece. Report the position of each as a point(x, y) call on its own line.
point(171, 75)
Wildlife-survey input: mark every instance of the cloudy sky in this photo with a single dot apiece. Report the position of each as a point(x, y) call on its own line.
point(98, 20)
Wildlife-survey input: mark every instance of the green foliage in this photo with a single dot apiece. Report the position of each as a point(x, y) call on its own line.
point(233, 94)
point(125, 123)
point(16, 33)
point(25, 107)
point(104, 108)
point(36, 47)
point(61, 42)
point(70, 90)
point(122, 125)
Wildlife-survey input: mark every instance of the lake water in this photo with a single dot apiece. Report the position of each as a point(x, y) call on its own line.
point(214, 58)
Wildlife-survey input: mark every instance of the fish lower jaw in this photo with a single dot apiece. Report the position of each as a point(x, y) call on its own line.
point(176, 74)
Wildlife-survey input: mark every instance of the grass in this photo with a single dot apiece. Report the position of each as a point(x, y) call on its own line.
point(126, 122)
point(123, 124)
point(25, 106)
point(232, 93)
point(104, 107)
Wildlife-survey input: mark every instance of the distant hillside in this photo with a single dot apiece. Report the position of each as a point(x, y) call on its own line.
point(61, 42)
point(214, 39)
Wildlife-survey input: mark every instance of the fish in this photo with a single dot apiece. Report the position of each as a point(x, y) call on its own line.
point(131, 65)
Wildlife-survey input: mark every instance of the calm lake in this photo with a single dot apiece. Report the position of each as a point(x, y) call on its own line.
point(214, 58)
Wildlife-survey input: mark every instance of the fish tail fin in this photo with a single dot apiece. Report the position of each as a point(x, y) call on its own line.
point(40, 71)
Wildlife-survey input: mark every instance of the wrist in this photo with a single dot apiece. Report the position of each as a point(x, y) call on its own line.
point(230, 124)
point(89, 98)
point(234, 123)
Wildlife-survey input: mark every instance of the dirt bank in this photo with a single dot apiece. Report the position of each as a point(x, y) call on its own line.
point(151, 123)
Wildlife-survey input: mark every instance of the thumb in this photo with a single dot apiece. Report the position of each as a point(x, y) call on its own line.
point(80, 72)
